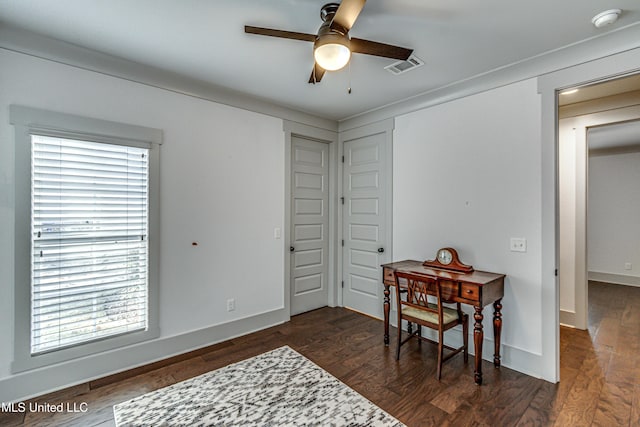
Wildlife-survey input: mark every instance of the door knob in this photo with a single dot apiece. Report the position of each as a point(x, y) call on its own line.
point(380, 250)
point(291, 248)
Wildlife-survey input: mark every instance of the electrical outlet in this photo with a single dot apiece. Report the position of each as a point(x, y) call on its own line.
point(627, 266)
point(231, 304)
point(518, 244)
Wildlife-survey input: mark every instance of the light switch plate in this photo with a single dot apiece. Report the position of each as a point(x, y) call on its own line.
point(518, 244)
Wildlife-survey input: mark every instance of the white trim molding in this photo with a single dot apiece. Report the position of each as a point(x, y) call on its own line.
point(27, 121)
point(568, 318)
point(32, 44)
point(616, 279)
point(511, 356)
point(602, 46)
point(608, 67)
point(34, 383)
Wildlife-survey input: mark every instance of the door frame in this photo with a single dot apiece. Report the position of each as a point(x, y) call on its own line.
point(383, 126)
point(606, 68)
point(579, 264)
point(290, 129)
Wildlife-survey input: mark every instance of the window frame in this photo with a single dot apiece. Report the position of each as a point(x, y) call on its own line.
point(28, 121)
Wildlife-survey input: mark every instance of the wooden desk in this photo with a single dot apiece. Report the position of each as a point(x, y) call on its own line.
point(478, 289)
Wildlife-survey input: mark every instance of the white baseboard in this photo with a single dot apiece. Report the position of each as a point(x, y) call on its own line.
point(618, 279)
point(41, 381)
point(568, 318)
point(512, 357)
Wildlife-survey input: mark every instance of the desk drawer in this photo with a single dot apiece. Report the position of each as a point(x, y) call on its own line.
point(387, 276)
point(449, 290)
point(470, 292)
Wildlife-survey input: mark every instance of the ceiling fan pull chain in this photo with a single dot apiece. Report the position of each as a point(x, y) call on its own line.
point(349, 88)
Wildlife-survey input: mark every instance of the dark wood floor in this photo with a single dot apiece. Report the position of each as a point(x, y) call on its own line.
point(600, 383)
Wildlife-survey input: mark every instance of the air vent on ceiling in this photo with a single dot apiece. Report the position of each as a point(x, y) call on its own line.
point(404, 66)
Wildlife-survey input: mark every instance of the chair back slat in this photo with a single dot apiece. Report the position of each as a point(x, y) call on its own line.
point(417, 291)
point(418, 288)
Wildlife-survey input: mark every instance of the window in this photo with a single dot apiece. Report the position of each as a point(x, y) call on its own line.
point(91, 218)
point(89, 241)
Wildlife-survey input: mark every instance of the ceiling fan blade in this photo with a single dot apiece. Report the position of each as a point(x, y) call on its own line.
point(280, 33)
point(316, 74)
point(347, 14)
point(369, 47)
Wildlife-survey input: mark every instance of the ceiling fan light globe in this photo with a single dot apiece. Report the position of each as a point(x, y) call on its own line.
point(332, 56)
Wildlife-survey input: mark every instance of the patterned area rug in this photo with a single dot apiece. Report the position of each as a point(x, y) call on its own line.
point(278, 388)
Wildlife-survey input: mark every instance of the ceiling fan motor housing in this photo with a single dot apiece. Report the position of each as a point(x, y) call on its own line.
point(328, 35)
point(328, 11)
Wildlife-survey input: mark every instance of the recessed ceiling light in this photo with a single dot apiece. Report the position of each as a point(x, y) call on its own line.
point(605, 18)
point(568, 92)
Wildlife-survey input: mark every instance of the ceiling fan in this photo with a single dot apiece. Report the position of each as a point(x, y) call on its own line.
point(332, 46)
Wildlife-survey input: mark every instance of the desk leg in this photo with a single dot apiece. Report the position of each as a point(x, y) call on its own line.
point(478, 338)
point(497, 331)
point(386, 306)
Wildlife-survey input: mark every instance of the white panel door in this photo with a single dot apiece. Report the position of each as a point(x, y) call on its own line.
point(310, 224)
point(365, 219)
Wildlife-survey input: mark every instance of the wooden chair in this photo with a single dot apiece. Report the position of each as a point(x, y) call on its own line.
point(416, 309)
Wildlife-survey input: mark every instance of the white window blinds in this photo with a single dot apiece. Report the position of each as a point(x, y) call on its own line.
point(89, 216)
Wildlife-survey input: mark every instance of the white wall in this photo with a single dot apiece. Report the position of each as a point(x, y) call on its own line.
point(614, 214)
point(466, 174)
point(222, 185)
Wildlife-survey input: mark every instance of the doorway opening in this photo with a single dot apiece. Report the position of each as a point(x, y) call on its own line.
point(599, 209)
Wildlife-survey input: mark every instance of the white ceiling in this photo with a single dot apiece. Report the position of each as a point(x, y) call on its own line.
point(204, 40)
